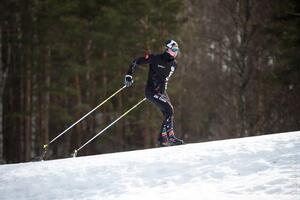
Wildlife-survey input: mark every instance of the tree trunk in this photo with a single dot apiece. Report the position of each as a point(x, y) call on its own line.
point(27, 104)
point(89, 96)
point(26, 63)
point(3, 78)
point(46, 97)
point(1, 97)
point(244, 71)
point(77, 136)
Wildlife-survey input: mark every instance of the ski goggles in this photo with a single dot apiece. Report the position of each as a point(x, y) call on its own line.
point(175, 49)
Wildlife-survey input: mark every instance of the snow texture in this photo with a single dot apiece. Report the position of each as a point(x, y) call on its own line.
point(254, 168)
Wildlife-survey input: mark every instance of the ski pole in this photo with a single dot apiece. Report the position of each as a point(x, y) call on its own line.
point(103, 102)
point(136, 105)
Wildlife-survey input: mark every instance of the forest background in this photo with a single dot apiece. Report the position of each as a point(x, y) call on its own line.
point(238, 71)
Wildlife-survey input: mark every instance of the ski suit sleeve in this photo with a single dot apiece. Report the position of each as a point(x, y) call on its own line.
point(147, 59)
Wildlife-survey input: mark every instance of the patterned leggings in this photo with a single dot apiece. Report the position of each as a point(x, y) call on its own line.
point(162, 101)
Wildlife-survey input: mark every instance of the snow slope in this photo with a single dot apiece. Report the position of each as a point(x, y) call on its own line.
point(263, 167)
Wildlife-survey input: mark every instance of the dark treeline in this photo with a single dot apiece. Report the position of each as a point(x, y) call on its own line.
point(238, 72)
point(244, 58)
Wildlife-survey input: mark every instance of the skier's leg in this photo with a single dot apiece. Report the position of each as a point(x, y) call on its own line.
point(168, 112)
point(169, 121)
point(162, 101)
point(163, 136)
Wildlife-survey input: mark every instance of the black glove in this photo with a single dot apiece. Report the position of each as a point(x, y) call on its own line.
point(128, 81)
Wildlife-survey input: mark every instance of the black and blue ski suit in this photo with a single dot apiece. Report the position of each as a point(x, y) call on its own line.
point(161, 68)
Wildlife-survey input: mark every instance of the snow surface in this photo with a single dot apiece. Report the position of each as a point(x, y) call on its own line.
point(264, 167)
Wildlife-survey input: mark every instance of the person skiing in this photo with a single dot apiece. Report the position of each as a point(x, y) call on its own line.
point(161, 68)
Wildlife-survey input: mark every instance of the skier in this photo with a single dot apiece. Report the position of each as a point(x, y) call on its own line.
point(161, 68)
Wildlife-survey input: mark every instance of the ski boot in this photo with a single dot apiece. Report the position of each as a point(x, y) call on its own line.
point(174, 140)
point(163, 140)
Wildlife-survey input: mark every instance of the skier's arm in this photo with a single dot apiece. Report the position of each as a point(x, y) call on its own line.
point(139, 61)
point(135, 63)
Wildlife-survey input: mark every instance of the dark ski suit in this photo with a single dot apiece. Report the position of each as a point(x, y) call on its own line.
point(161, 68)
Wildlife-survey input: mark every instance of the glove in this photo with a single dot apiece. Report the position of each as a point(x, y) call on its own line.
point(128, 81)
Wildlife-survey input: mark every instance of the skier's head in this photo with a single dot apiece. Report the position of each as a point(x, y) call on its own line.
point(172, 48)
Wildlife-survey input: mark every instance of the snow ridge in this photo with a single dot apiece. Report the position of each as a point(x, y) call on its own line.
point(264, 167)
